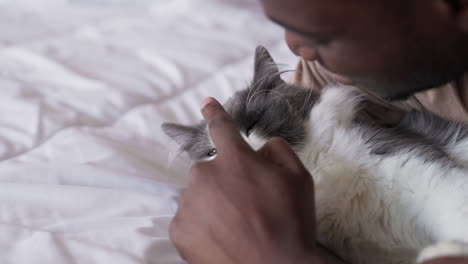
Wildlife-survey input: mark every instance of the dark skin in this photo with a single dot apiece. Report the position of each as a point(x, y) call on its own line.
point(251, 206)
point(393, 49)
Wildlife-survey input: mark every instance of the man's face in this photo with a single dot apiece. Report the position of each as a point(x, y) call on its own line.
point(390, 47)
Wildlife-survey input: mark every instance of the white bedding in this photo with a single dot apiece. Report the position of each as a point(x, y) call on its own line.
point(85, 85)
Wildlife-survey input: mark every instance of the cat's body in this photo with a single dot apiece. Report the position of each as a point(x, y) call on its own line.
point(383, 208)
point(382, 193)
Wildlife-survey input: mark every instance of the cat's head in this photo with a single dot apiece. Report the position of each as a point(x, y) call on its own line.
point(268, 108)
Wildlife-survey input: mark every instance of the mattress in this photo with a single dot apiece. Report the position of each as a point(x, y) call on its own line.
point(86, 175)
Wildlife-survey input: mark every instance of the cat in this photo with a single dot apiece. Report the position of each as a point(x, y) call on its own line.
point(383, 193)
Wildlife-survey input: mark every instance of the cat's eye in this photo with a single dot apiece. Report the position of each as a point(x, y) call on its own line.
point(212, 153)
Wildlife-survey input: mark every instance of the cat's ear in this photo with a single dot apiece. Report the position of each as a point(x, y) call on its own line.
point(183, 135)
point(265, 67)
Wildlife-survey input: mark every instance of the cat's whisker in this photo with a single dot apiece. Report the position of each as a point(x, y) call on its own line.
point(290, 108)
point(252, 97)
point(306, 101)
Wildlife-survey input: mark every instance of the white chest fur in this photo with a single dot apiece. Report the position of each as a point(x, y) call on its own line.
point(378, 209)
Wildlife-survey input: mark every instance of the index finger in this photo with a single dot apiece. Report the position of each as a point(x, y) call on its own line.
point(222, 130)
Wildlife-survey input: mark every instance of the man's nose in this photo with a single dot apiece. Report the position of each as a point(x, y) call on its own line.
point(297, 46)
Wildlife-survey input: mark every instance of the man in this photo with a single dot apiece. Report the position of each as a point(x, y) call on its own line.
point(257, 207)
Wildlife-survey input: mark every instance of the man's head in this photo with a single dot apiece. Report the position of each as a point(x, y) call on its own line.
point(391, 47)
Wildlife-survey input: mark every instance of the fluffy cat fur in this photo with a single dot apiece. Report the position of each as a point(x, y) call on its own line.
point(382, 193)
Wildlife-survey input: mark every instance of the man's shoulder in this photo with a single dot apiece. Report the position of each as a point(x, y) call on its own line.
point(449, 100)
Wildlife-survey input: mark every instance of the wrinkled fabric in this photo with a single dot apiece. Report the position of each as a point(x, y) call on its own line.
point(86, 175)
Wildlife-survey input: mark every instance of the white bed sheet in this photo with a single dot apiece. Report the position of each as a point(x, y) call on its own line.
point(85, 85)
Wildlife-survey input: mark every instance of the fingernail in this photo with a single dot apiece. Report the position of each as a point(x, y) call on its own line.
point(207, 101)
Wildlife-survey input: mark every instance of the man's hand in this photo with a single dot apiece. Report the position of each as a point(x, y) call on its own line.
point(246, 206)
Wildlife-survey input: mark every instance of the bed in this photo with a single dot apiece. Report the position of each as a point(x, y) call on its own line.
point(86, 175)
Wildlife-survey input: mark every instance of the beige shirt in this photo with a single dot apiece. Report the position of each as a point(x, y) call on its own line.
point(449, 101)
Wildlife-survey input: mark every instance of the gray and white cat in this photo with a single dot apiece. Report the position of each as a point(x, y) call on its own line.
point(383, 193)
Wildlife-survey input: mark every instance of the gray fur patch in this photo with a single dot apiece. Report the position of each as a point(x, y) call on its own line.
point(420, 132)
point(192, 139)
point(272, 108)
point(389, 141)
point(269, 107)
point(442, 132)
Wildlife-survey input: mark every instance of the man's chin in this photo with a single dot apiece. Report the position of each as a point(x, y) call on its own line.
point(386, 91)
point(402, 93)
point(398, 97)
point(394, 95)
point(403, 90)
